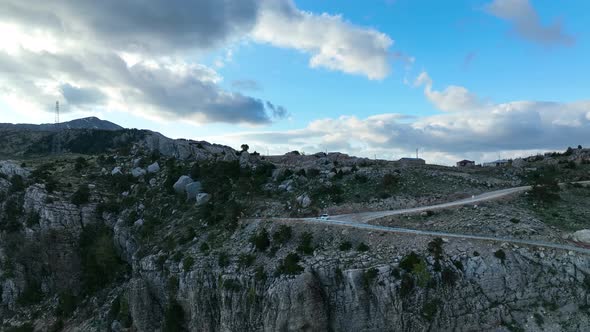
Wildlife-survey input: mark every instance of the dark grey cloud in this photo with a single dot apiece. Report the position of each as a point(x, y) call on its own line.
point(160, 26)
point(527, 23)
point(81, 96)
point(276, 111)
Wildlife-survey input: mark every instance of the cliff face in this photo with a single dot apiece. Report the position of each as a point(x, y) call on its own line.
point(131, 257)
point(530, 289)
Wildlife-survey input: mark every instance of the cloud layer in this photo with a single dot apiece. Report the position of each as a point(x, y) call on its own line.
point(527, 24)
point(481, 133)
point(139, 57)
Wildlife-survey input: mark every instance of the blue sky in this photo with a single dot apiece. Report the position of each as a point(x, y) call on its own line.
point(345, 71)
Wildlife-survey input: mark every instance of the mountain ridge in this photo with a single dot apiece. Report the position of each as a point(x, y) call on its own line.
point(82, 123)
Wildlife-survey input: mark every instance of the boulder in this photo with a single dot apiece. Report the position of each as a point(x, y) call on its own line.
point(192, 189)
point(153, 182)
point(153, 168)
point(137, 172)
point(203, 198)
point(117, 171)
point(180, 185)
point(304, 201)
point(581, 236)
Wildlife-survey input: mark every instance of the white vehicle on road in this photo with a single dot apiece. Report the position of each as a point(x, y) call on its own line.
point(324, 217)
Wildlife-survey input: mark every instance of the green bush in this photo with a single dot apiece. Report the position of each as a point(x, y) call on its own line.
point(174, 318)
point(100, 261)
point(435, 248)
point(362, 247)
point(81, 196)
point(282, 235)
point(500, 254)
point(261, 240)
point(232, 285)
point(80, 164)
point(290, 265)
point(369, 276)
point(259, 274)
point(187, 263)
point(448, 276)
point(16, 184)
point(306, 245)
point(223, 259)
point(345, 246)
point(430, 309)
point(409, 261)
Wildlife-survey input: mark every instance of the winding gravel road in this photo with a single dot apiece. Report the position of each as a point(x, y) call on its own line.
point(360, 220)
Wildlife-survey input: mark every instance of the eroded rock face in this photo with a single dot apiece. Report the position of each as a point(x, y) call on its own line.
point(488, 294)
point(10, 168)
point(56, 214)
point(186, 149)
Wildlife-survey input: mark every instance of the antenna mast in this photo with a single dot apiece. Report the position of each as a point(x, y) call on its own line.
point(56, 138)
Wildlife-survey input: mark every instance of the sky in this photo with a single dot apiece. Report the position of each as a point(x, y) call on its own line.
point(475, 79)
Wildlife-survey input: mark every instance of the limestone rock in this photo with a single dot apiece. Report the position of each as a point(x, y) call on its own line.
point(153, 168)
point(192, 189)
point(304, 201)
point(10, 168)
point(137, 172)
point(581, 236)
point(117, 171)
point(180, 185)
point(203, 198)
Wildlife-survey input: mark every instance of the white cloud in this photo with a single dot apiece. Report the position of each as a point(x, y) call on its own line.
point(508, 129)
point(527, 23)
point(332, 42)
point(452, 98)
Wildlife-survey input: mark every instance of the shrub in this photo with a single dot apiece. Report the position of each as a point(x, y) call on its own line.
point(435, 248)
point(407, 285)
point(290, 265)
point(448, 276)
point(282, 235)
point(501, 255)
point(430, 309)
point(80, 164)
point(261, 240)
point(306, 246)
point(345, 246)
point(100, 261)
point(420, 270)
point(259, 274)
point(545, 185)
point(204, 248)
point(362, 247)
point(232, 285)
point(16, 183)
point(81, 196)
point(409, 261)
point(370, 275)
point(174, 318)
point(26, 327)
point(223, 259)
point(187, 263)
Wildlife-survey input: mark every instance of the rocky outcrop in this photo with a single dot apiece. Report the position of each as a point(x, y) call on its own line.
point(153, 168)
point(10, 168)
point(582, 236)
point(56, 214)
point(186, 149)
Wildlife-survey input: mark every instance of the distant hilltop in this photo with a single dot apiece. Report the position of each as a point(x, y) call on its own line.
point(84, 123)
